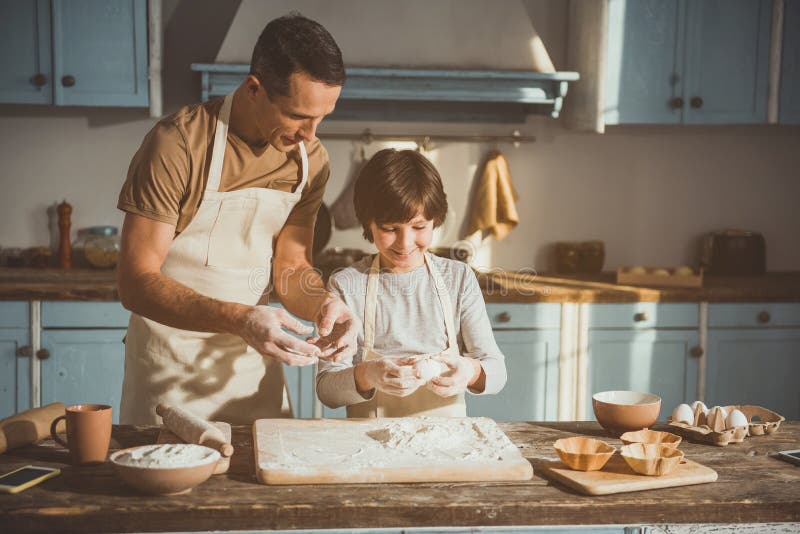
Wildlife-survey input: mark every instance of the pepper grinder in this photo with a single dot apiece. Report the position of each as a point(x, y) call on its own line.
point(64, 248)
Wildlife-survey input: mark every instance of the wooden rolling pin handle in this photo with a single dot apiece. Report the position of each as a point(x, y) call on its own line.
point(224, 448)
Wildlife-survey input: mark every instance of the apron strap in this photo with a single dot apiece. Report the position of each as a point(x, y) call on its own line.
point(221, 140)
point(371, 303)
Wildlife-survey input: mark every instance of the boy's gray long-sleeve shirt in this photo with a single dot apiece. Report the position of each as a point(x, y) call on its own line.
point(409, 321)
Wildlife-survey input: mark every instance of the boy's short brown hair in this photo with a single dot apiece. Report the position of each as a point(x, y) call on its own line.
point(395, 185)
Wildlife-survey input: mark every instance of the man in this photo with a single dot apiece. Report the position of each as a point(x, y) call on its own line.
point(216, 193)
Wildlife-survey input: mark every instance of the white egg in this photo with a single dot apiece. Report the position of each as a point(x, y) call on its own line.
point(736, 419)
point(659, 272)
point(683, 414)
point(684, 270)
point(702, 405)
point(429, 369)
point(715, 418)
point(636, 269)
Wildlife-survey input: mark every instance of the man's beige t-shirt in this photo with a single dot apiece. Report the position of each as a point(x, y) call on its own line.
point(168, 173)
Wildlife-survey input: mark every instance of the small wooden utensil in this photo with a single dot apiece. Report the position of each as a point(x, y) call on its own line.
point(64, 247)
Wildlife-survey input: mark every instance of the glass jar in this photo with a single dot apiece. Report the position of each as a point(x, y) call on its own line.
point(97, 246)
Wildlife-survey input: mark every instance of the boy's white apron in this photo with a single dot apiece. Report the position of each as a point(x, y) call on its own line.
point(224, 253)
point(423, 401)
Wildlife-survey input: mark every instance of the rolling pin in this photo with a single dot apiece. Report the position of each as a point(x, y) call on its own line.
point(193, 429)
point(30, 426)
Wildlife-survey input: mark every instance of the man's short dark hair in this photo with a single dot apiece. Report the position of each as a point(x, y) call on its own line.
point(394, 186)
point(294, 43)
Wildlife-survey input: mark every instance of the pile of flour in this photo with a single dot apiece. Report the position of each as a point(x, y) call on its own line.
point(167, 456)
point(402, 442)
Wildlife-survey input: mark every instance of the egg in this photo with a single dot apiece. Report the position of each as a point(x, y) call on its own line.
point(429, 369)
point(702, 405)
point(736, 419)
point(683, 414)
point(684, 270)
point(715, 419)
point(637, 270)
point(660, 272)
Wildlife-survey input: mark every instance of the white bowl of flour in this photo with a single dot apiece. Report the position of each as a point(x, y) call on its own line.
point(166, 468)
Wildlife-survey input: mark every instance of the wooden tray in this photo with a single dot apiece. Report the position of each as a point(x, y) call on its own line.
point(299, 451)
point(769, 423)
point(651, 280)
point(617, 477)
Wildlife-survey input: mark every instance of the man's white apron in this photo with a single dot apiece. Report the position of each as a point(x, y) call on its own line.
point(225, 253)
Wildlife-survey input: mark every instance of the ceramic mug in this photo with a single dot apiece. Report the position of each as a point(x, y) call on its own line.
point(88, 432)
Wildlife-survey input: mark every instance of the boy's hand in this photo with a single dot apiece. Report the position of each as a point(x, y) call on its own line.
point(393, 377)
point(460, 375)
point(337, 330)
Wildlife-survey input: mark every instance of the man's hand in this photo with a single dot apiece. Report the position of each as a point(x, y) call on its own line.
point(262, 329)
point(393, 377)
point(460, 375)
point(337, 330)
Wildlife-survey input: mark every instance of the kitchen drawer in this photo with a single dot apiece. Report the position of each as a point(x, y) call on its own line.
point(753, 315)
point(73, 314)
point(643, 315)
point(14, 314)
point(503, 316)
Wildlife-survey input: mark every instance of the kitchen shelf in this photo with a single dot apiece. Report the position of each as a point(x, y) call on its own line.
point(429, 95)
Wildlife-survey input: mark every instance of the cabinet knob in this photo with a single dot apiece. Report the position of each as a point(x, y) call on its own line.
point(763, 317)
point(640, 317)
point(696, 351)
point(42, 354)
point(24, 351)
point(696, 102)
point(504, 317)
point(39, 80)
point(676, 103)
point(68, 80)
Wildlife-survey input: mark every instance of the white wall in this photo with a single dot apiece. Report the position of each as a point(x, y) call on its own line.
point(648, 192)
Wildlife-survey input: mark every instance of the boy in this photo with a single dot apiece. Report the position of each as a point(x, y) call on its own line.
point(414, 306)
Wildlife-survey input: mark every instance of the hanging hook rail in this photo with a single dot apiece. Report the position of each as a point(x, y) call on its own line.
point(425, 140)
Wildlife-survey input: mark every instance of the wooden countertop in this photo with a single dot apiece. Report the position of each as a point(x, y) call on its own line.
point(100, 285)
point(753, 487)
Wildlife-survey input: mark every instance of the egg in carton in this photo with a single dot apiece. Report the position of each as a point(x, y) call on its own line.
point(722, 425)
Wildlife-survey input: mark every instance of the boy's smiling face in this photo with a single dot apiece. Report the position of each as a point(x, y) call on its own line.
point(401, 245)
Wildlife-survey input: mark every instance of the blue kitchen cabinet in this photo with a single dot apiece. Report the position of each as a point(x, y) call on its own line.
point(687, 61)
point(25, 59)
point(789, 110)
point(754, 356)
point(76, 53)
point(83, 366)
point(15, 358)
point(644, 347)
point(528, 336)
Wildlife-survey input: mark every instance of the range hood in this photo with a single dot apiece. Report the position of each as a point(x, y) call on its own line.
point(425, 95)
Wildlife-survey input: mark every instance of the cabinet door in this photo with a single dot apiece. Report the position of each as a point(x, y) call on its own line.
point(651, 361)
point(25, 52)
point(15, 372)
point(531, 392)
point(755, 366)
point(84, 366)
point(100, 52)
point(727, 60)
point(790, 65)
point(644, 57)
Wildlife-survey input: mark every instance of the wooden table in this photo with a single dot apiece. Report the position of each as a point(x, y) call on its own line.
point(753, 487)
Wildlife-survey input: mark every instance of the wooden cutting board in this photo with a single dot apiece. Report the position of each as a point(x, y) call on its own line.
point(617, 477)
point(330, 451)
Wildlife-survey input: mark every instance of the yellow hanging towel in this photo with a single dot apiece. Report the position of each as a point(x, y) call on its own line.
point(494, 210)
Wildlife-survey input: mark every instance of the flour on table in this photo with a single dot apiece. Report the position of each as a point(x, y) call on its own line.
point(392, 443)
point(167, 456)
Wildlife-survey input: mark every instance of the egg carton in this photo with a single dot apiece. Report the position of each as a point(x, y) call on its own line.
point(761, 421)
point(659, 277)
